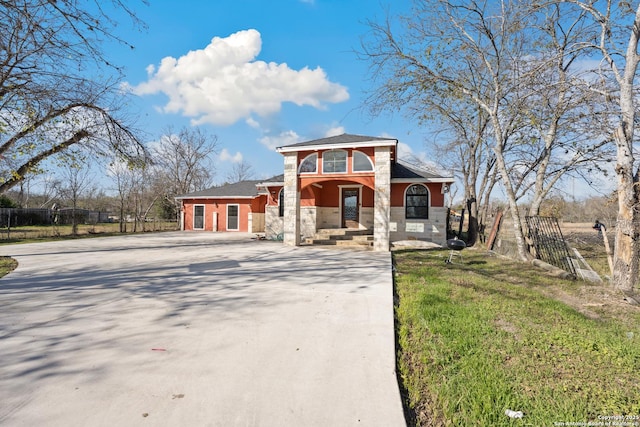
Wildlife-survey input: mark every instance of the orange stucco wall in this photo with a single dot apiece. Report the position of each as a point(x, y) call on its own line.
point(274, 193)
point(369, 151)
point(212, 206)
point(329, 194)
point(435, 192)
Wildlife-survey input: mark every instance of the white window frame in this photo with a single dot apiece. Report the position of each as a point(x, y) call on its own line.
point(238, 216)
point(353, 162)
point(404, 202)
point(304, 160)
point(346, 161)
point(204, 209)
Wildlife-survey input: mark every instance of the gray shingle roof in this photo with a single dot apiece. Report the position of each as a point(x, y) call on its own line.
point(237, 189)
point(338, 139)
point(277, 178)
point(402, 170)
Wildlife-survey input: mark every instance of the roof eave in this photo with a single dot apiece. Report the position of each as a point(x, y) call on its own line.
point(317, 147)
point(269, 184)
point(214, 197)
point(434, 180)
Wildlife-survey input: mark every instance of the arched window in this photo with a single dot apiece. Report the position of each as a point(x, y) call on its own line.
point(361, 162)
point(334, 161)
point(416, 202)
point(309, 164)
point(281, 203)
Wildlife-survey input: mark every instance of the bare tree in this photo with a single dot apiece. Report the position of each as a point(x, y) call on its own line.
point(240, 171)
point(145, 192)
point(76, 181)
point(50, 97)
point(562, 112)
point(617, 44)
point(466, 129)
point(50, 188)
point(462, 50)
point(121, 174)
point(491, 59)
point(184, 161)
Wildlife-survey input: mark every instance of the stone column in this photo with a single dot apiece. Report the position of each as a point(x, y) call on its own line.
point(291, 200)
point(382, 199)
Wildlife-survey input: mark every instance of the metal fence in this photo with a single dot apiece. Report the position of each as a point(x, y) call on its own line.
point(547, 242)
point(19, 217)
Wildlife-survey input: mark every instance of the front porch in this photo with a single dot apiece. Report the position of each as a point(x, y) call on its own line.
point(359, 201)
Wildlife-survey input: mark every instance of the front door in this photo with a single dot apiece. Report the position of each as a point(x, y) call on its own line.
point(350, 207)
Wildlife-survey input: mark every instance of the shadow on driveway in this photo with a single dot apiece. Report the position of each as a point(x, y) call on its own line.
point(196, 329)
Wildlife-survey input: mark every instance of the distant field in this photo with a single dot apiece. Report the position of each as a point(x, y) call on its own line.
point(39, 233)
point(590, 244)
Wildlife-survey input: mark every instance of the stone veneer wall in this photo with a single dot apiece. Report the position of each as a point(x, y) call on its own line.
point(328, 217)
point(433, 229)
point(308, 221)
point(291, 200)
point(273, 223)
point(382, 199)
point(366, 218)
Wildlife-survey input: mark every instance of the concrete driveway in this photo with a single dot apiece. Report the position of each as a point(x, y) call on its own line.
point(196, 329)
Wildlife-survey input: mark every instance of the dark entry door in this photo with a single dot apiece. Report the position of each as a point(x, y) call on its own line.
point(232, 217)
point(350, 207)
point(198, 217)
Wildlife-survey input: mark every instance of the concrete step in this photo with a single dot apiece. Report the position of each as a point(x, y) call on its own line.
point(342, 232)
point(358, 237)
point(343, 237)
point(344, 244)
point(354, 243)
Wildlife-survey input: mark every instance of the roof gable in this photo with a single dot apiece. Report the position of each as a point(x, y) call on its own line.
point(339, 141)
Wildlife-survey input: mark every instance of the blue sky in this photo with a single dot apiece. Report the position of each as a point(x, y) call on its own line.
point(258, 74)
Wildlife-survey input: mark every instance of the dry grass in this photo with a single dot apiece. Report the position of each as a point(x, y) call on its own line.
point(43, 233)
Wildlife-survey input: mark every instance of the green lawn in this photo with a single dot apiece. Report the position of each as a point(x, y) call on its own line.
point(479, 337)
point(7, 265)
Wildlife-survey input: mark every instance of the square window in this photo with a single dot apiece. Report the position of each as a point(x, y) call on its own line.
point(334, 161)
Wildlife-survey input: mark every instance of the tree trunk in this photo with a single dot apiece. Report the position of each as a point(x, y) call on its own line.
point(523, 252)
point(625, 260)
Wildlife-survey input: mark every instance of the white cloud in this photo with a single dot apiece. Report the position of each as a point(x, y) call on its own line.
point(253, 123)
point(225, 156)
point(334, 131)
point(284, 138)
point(405, 152)
point(224, 83)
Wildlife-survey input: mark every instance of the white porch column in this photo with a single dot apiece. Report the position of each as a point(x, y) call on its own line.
point(291, 200)
point(382, 199)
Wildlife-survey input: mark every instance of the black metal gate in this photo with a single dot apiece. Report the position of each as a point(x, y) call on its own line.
point(547, 242)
